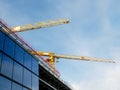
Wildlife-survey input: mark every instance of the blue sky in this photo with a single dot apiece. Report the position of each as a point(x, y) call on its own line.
point(93, 31)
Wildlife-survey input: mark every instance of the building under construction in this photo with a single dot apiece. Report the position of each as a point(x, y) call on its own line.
point(20, 70)
point(23, 68)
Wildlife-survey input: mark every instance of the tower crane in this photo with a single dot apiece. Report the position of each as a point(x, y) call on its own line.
point(52, 57)
point(39, 25)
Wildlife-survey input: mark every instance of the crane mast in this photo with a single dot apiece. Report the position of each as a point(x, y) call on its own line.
point(52, 57)
point(39, 25)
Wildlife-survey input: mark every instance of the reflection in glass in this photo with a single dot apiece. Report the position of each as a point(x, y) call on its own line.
point(27, 60)
point(9, 46)
point(27, 78)
point(5, 84)
point(18, 72)
point(16, 86)
point(34, 82)
point(19, 54)
point(34, 66)
point(25, 89)
point(0, 60)
point(2, 37)
point(7, 66)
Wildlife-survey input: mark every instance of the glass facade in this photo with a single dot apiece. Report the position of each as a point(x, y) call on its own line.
point(17, 73)
point(27, 78)
point(27, 60)
point(0, 59)
point(19, 52)
point(16, 86)
point(5, 84)
point(7, 66)
point(1, 40)
point(9, 46)
point(18, 69)
point(35, 66)
point(34, 82)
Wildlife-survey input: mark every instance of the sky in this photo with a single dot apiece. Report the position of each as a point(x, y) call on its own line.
point(93, 31)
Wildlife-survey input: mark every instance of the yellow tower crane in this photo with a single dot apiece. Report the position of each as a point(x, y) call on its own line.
point(39, 25)
point(52, 57)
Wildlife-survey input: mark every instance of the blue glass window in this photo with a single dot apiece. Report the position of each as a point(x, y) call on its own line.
point(16, 87)
point(17, 72)
point(0, 59)
point(9, 46)
point(25, 89)
point(35, 82)
point(5, 84)
point(27, 78)
point(19, 52)
point(27, 60)
point(35, 66)
point(2, 37)
point(7, 66)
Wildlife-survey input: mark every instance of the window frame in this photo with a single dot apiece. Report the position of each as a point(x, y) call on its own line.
point(35, 82)
point(4, 83)
point(27, 81)
point(9, 50)
point(17, 86)
point(35, 66)
point(28, 60)
point(7, 61)
point(18, 50)
point(18, 71)
point(2, 40)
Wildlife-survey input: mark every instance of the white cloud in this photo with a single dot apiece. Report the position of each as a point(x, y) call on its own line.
point(106, 42)
point(110, 81)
